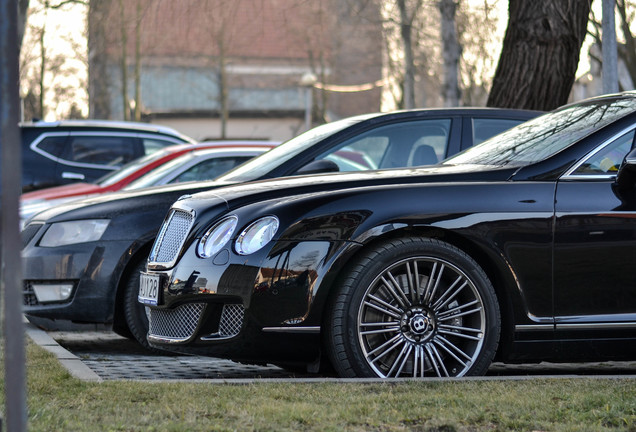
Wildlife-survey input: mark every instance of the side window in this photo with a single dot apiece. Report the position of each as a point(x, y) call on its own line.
point(413, 143)
point(487, 128)
point(210, 169)
point(151, 145)
point(608, 160)
point(100, 150)
point(53, 145)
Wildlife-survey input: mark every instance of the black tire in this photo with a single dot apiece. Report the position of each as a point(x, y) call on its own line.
point(383, 322)
point(135, 312)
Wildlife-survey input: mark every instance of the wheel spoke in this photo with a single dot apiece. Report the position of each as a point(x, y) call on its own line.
point(380, 324)
point(388, 327)
point(450, 315)
point(413, 282)
point(445, 344)
point(401, 359)
point(386, 347)
point(433, 282)
point(447, 297)
point(460, 335)
point(449, 328)
point(385, 304)
point(394, 289)
point(385, 311)
point(418, 361)
point(436, 361)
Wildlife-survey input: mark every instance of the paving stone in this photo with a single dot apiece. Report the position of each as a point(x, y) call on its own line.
point(112, 357)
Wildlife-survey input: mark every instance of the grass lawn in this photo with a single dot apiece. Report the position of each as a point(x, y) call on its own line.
point(59, 402)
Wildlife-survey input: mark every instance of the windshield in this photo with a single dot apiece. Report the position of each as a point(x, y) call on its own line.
point(130, 167)
point(546, 135)
point(152, 177)
point(261, 165)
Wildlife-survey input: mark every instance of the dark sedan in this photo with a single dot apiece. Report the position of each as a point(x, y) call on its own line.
point(519, 249)
point(82, 260)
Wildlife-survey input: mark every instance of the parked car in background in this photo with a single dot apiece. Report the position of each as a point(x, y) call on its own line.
point(518, 249)
point(82, 259)
point(178, 163)
point(56, 153)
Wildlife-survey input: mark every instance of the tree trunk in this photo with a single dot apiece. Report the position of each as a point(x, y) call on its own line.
point(137, 116)
point(627, 52)
point(451, 51)
point(406, 24)
point(540, 53)
point(124, 65)
point(98, 78)
point(223, 90)
point(23, 7)
point(42, 72)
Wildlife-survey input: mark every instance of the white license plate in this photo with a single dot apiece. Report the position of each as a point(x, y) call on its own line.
point(149, 287)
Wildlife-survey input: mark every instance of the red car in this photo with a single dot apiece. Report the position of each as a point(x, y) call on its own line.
point(147, 171)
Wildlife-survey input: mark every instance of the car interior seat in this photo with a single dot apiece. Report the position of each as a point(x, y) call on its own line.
point(424, 155)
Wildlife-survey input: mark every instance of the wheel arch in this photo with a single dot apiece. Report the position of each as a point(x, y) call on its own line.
point(490, 260)
point(137, 254)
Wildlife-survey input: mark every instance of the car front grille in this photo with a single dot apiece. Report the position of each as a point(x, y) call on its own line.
point(171, 237)
point(231, 320)
point(28, 295)
point(175, 324)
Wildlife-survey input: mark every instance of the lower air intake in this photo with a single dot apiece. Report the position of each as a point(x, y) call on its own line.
point(175, 324)
point(231, 320)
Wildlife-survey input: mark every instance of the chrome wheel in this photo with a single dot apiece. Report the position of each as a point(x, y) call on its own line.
point(421, 317)
point(413, 308)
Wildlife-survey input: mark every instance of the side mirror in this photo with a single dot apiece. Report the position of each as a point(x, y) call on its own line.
point(319, 166)
point(626, 177)
point(627, 172)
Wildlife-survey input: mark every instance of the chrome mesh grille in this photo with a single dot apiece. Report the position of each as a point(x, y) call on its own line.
point(171, 237)
point(231, 320)
point(179, 323)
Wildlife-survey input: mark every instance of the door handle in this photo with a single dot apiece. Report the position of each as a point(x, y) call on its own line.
point(74, 176)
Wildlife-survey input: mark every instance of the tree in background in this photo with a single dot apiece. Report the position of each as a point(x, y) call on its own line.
point(451, 52)
point(626, 12)
point(49, 76)
point(540, 53)
point(479, 57)
point(98, 76)
point(452, 62)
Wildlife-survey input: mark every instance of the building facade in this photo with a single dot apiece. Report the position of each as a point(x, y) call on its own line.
point(235, 69)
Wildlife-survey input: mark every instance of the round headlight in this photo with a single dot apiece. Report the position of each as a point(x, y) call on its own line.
point(257, 235)
point(216, 237)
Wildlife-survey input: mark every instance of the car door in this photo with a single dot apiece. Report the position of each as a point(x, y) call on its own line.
point(40, 158)
point(88, 157)
point(595, 247)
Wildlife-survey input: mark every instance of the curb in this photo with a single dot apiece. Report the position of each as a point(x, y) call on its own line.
point(71, 362)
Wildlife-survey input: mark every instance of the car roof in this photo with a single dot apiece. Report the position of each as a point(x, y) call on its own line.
point(106, 124)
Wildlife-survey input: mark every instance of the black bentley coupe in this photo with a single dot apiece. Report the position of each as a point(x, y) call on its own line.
point(82, 259)
point(519, 249)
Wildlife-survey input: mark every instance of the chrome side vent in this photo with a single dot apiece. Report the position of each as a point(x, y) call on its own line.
point(175, 325)
point(231, 320)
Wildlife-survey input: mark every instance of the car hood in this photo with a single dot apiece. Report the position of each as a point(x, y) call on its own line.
point(273, 188)
point(157, 199)
point(60, 192)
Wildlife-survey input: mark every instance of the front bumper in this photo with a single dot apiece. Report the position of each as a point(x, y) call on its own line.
point(92, 269)
point(254, 308)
